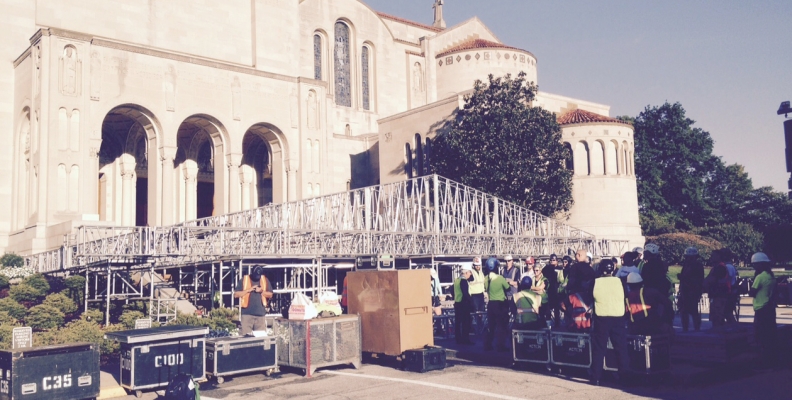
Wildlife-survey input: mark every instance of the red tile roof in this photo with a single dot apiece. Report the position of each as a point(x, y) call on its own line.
point(579, 116)
point(408, 22)
point(477, 44)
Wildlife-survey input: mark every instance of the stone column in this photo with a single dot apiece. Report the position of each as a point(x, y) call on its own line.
point(169, 186)
point(291, 180)
point(190, 205)
point(247, 179)
point(128, 195)
point(234, 202)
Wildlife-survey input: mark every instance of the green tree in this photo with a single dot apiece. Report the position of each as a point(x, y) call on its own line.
point(14, 309)
point(75, 287)
point(38, 282)
point(500, 144)
point(673, 160)
point(673, 245)
point(23, 292)
point(12, 260)
point(61, 302)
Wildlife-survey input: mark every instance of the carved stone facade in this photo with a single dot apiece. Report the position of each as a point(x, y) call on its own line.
point(123, 116)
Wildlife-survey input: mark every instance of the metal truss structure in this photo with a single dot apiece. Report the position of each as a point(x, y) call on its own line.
point(299, 243)
point(428, 215)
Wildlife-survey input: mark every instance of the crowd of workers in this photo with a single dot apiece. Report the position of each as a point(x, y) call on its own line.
point(632, 295)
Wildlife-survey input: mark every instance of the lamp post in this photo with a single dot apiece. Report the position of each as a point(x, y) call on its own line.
point(786, 109)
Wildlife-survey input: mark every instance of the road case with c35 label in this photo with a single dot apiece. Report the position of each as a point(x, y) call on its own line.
point(69, 371)
point(151, 357)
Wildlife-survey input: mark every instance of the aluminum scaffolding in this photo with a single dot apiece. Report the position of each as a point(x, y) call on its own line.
point(430, 217)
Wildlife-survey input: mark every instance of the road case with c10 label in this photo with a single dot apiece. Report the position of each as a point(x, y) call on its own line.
point(69, 371)
point(238, 355)
point(151, 357)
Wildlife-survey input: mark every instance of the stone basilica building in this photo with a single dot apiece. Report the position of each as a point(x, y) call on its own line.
point(154, 112)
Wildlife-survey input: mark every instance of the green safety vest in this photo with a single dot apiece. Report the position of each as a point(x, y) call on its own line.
point(525, 302)
point(458, 290)
point(477, 286)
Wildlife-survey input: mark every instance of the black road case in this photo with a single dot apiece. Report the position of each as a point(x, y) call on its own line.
point(237, 355)
point(571, 349)
point(531, 346)
point(648, 354)
point(69, 371)
point(429, 358)
point(151, 357)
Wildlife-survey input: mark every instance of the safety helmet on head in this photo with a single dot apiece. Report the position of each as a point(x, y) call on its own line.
point(638, 250)
point(691, 252)
point(508, 257)
point(652, 248)
point(256, 274)
point(467, 268)
point(589, 255)
point(634, 277)
point(525, 283)
point(606, 267)
point(491, 264)
point(530, 261)
point(759, 258)
point(568, 259)
point(476, 261)
point(553, 257)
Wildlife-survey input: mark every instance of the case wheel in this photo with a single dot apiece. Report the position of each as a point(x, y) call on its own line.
point(138, 393)
point(268, 372)
point(220, 380)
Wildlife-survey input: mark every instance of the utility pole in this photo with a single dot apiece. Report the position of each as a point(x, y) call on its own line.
point(785, 109)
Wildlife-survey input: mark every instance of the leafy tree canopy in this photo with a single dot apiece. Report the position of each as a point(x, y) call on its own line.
point(500, 144)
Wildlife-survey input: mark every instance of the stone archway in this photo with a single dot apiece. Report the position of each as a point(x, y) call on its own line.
point(199, 168)
point(127, 186)
point(262, 174)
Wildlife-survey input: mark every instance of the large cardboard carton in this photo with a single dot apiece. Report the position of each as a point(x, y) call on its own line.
point(395, 309)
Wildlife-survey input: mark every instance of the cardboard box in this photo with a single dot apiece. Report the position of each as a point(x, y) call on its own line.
point(395, 309)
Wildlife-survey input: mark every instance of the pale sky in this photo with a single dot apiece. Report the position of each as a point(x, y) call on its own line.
point(729, 63)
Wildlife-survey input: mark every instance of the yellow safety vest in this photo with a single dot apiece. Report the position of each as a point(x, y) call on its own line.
point(477, 286)
point(247, 284)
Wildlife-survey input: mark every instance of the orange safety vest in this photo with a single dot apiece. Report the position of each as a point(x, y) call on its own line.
point(581, 312)
point(344, 294)
point(247, 283)
point(634, 308)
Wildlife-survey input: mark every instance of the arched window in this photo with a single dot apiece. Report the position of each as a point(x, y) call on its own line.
point(597, 158)
point(625, 159)
point(318, 57)
point(419, 155)
point(364, 71)
point(408, 161)
point(582, 162)
point(569, 162)
point(342, 67)
point(612, 157)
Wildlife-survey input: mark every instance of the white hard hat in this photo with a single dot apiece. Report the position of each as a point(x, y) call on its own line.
point(759, 257)
point(508, 257)
point(589, 255)
point(652, 248)
point(691, 251)
point(476, 261)
point(638, 250)
point(467, 268)
point(634, 277)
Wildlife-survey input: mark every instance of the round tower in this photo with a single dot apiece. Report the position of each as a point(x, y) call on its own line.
point(603, 185)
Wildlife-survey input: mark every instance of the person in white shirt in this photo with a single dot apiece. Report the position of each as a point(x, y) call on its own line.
point(630, 259)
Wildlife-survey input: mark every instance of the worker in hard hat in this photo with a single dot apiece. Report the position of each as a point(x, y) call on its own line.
point(497, 308)
point(608, 320)
point(254, 290)
point(528, 304)
point(763, 292)
point(477, 286)
point(463, 306)
point(647, 308)
point(691, 287)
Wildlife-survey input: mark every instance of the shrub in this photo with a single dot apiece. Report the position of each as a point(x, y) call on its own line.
point(75, 288)
point(219, 322)
point(11, 273)
point(38, 282)
point(6, 331)
point(742, 239)
point(14, 309)
point(23, 292)
point(12, 260)
point(6, 318)
point(61, 302)
point(91, 332)
point(227, 313)
point(95, 316)
point(4, 284)
point(673, 245)
point(44, 317)
point(128, 318)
